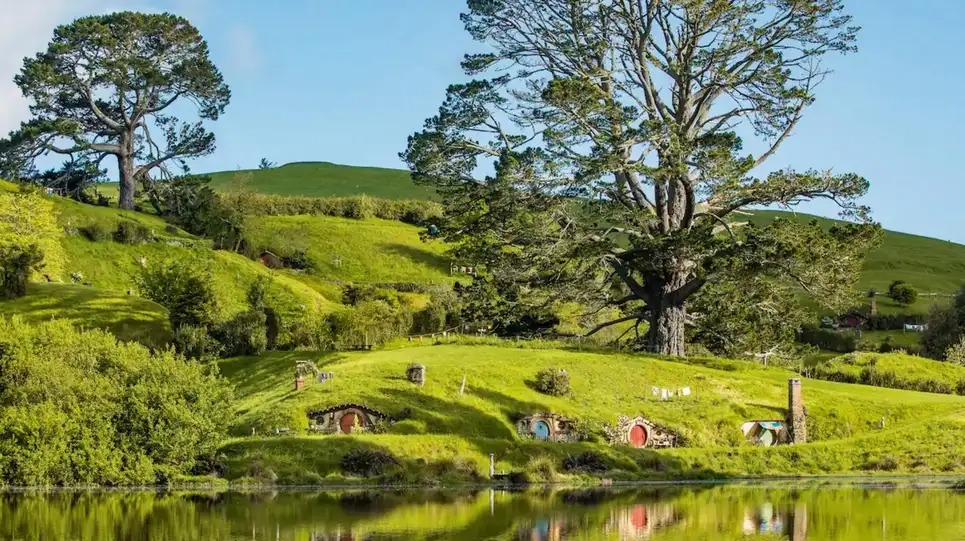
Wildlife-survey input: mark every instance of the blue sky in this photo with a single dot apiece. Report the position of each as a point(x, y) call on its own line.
point(348, 80)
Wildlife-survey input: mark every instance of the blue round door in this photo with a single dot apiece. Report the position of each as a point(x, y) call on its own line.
point(541, 430)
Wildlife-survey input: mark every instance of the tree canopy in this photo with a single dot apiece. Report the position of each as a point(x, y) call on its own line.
point(598, 152)
point(109, 86)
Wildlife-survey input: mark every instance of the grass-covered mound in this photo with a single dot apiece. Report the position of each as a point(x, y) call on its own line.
point(366, 251)
point(905, 369)
point(445, 432)
point(127, 317)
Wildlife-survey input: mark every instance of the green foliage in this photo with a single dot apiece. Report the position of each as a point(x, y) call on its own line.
point(367, 462)
point(956, 353)
point(586, 462)
point(79, 408)
point(369, 323)
point(575, 214)
point(946, 326)
point(136, 67)
point(16, 264)
point(553, 382)
point(28, 224)
point(829, 340)
point(184, 290)
point(133, 233)
point(359, 207)
point(196, 343)
point(96, 232)
point(244, 334)
point(902, 293)
point(313, 331)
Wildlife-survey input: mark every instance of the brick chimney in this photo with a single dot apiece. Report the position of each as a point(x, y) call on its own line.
point(795, 415)
point(299, 382)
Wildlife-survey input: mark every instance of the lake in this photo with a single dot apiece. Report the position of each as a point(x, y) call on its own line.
point(708, 513)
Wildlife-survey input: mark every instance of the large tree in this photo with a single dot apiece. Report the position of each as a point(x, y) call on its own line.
point(599, 148)
point(108, 86)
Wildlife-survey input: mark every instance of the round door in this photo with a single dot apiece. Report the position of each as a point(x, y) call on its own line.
point(767, 438)
point(541, 430)
point(347, 423)
point(638, 436)
point(638, 517)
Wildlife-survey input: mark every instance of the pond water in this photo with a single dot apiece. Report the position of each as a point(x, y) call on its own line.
point(709, 513)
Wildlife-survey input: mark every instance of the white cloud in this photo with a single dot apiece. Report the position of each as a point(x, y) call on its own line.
point(245, 55)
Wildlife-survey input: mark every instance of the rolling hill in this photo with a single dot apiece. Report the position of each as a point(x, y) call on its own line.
point(443, 426)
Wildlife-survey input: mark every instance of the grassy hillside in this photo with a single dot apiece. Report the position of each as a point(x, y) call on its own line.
point(905, 366)
point(844, 420)
point(322, 179)
point(370, 250)
point(127, 317)
point(931, 265)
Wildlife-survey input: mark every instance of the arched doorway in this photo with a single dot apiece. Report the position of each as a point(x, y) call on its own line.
point(541, 429)
point(767, 437)
point(638, 436)
point(347, 422)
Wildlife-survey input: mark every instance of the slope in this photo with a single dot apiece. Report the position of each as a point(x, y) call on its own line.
point(444, 425)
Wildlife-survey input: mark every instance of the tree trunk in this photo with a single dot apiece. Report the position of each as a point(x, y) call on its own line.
point(125, 165)
point(668, 315)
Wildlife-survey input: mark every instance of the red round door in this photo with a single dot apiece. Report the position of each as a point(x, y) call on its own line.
point(638, 436)
point(347, 423)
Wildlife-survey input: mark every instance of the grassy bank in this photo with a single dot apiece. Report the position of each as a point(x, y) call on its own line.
point(446, 434)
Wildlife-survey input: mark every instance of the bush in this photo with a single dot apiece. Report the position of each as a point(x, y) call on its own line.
point(313, 331)
point(132, 233)
point(371, 322)
point(840, 342)
point(367, 462)
point(171, 229)
point(902, 293)
point(95, 232)
point(553, 382)
point(357, 207)
point(81, 408)
point(956, 353)
point(298, 260)
point(184, 290)
point(16, 264)
point(587, 462)
point(243, 334)
point(196, 343)
point(541, 468)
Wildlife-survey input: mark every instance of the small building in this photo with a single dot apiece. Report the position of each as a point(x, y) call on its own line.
point(546, 427)
point(852, 320)
point(640, 433)
point(271, 260)
point(790, 431)
point(344, 419)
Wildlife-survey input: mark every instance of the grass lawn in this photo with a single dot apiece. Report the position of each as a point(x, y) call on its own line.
point(898, 339)
point(444, 426)
point(909, 367)
point(127, 317)
point(370, 250)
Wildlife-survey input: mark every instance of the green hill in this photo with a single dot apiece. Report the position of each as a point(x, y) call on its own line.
point(446, 427)
point(931, 265)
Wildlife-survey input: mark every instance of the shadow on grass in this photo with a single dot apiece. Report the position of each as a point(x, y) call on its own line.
point(441, 416)
point(417, 255)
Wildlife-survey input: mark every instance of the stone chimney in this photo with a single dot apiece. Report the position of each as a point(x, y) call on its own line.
point(796, 418)
point(299, 382)
point(874, 305)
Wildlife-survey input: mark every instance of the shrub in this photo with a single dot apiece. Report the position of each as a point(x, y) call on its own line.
point(552, 381)
point(370, 322)
point(313, 331)
point(298, 260)
point(902, 293)
point(244, 334)
point(586, 462)
point(95, 232)
point(16, 264)
point(81, 408)
point(367, 462)
point(960, 388)
point(196, 343)
point(956, 353)
point(132, 233)
point(541, 468)
point(359, 207)
point(840, 342)
point(184, 290)
point(171, 229)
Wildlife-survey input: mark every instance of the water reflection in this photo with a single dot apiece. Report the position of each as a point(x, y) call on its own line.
point(664, 514)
